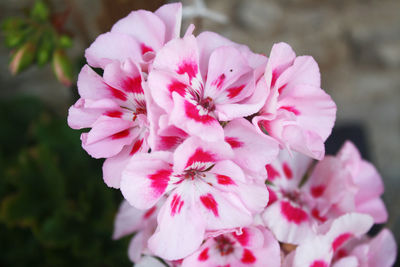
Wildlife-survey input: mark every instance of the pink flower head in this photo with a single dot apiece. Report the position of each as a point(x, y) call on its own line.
point(318, 250)
point(254, 246)
point(335, 186)
point(298, 113)
point(199, 86)
point(138, 37)
point(206, 192)
point(130, 220)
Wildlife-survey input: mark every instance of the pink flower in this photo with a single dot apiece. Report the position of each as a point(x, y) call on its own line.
point(198, 83)
point(130, 220)
point(318, 250)
point(334, 186)
point(379, 251)
point(298, 113)
point(206, 192)
point(115, 108)
point(254, 246)
point(138, 37)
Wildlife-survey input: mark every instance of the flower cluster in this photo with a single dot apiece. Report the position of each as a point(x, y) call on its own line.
point(212, 145)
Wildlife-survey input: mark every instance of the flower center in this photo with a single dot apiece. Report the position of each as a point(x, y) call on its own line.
point(224, 245)
point(207, 104)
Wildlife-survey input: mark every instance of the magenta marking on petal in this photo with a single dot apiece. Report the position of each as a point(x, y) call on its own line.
point(317, 191)
point(248, 256)
point(293, 214)
point(340, 240)
point(133, 85)
point(121, 134)
point(178, 87)
point(291, 109)
point(159, 180)
point(145, 48)
point(193, 113)
point(272, 173)
point(243, 238)
point(281, 88)
point(149, 212)
point(341, 253)
point(136, 146)
point(316, 215)
point(114, 114)
point(200, 156)
point(319, 263)
point(272, 196)
point(169, 142)
point(288, 172)
point(225, 180)
point(203, 256)
point(118, 94)
point(274, 77)
point(210, 203)
point(219, 81)
point(233, 142)
point(234, 91)
point(176, 205)
point(189, 67)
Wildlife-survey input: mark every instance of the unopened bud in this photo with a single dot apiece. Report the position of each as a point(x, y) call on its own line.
point(62, 67)
point(22, 58)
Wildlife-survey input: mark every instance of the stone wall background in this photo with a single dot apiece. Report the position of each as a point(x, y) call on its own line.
point(355, 42)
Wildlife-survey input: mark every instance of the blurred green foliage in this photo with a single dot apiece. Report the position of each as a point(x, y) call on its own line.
point(55, 209)
point(39, 37)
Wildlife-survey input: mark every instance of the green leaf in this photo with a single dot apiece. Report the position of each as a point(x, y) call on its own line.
point(40, 11)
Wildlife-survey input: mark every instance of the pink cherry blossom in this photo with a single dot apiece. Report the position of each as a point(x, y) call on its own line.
point(298, 113)
point(200, 88)
point(206, 192)
point(254, 246)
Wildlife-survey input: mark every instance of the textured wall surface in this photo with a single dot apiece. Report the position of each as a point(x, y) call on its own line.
point(355, 42)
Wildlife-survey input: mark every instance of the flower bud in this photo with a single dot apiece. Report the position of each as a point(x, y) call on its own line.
point(62, 67)
point(22, 58)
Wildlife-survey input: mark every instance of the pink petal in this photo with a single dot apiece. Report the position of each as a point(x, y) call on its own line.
point(195, 153)
point(112, 46)
point(289, 222)
point(107, 137)
point(85, 112)
point(163, 83)
point(194, 120)
point(171, 15)
point(180, 56)
point(146, 179)
point(176, 219)
point(91, 85)
point(221, 210)
point(114, 166)
point(127, 221)
point(281, 57)
point(226, 66)
point(245, 141)
point(148, 29)
point(383, 250)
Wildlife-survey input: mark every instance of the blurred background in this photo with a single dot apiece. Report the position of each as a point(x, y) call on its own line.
point(54, 207)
